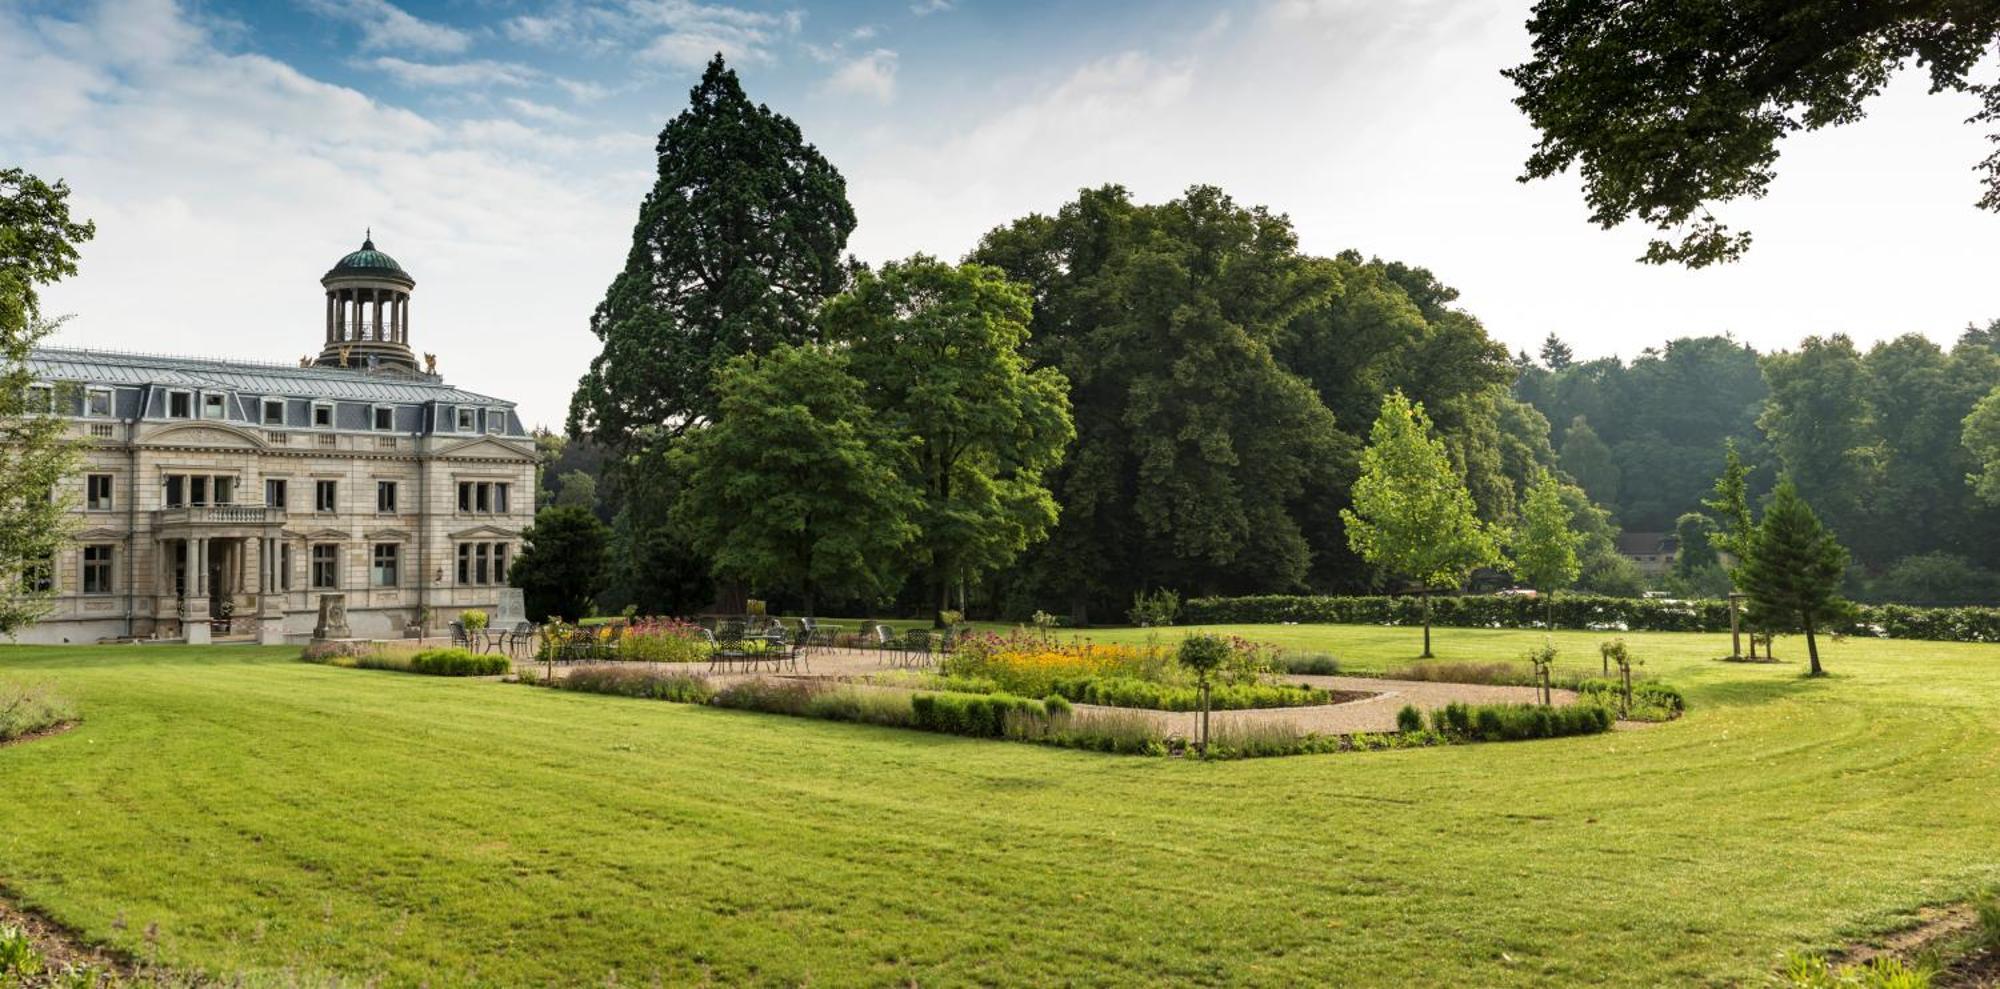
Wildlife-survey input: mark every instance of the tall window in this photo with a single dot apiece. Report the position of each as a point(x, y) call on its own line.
point(326, 496)
point(41, 398)
point(325, 566)
point(284, 566)
point(176, 493)
point(275, 492)
point(385, 496)
point(180, 405)
point(225, 490)
point(500, 498)
point(482, 497)
point(198, 489)
point(482, 563)
point(97, 492)
point(385, 565)
point(97, 568)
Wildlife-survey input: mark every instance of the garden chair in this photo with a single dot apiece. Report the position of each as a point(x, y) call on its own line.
point(730, 646)
point(882, 639)
point(521, 636)
point(578, 645)
point(459, 638)
point(916, 647)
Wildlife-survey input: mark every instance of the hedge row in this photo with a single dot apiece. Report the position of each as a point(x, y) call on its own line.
point(1513, 722)
point(978, 715)
point(1134, 692)
point(1887, 621)
point(459, 663)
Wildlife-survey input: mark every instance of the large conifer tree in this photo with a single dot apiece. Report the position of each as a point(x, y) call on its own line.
point(1793, 572)
point(739, 242)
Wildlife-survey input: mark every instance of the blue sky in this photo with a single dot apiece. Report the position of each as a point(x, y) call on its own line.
point(499, 148)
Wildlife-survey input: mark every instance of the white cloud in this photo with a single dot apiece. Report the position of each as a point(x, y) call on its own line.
point(872, 75)
point(925, 8)
point(538, 111)
point(384, 26)
point(582, 91)
point(475, 73)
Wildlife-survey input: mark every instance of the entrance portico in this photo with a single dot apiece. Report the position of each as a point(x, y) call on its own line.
point(213, 575)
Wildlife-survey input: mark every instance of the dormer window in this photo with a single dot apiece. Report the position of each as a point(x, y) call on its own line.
point(180, 405)
point(41, 398)
point(496, 421)
point(97, 403)
point(322, 415)
point(214, 406)
point(385, 417)
point(274, 412)
point(468, 420)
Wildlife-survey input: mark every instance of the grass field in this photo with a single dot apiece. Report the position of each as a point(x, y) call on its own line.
point(273, 817)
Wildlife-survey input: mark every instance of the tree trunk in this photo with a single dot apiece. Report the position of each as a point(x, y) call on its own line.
point(808, 595)
point(1426, 595)
point(1549, 611)
point(1812, 650)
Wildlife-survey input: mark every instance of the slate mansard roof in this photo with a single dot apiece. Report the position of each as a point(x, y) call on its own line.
point(136, 377)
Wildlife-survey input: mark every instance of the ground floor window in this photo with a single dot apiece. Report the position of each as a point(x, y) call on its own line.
point(482, 563)
point(385, 564)
point(325, 566)
point(97, 568)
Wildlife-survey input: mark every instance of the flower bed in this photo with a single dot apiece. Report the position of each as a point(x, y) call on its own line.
point(1030, 665)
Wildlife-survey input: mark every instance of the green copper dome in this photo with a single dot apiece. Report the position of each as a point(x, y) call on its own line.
point(369, 261)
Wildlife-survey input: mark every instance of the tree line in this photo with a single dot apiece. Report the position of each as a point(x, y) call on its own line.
point(1118, 396)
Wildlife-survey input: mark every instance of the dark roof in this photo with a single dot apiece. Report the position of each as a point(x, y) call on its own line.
point(369, 261)
point(1645, 543)
point(245, 377)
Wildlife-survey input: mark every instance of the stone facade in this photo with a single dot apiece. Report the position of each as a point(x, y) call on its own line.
point(224, 498)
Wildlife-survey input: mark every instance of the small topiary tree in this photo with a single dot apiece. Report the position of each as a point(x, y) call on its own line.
point(1409, 719)
point(473, 619)
point(1541, 659)
point(1204, 654)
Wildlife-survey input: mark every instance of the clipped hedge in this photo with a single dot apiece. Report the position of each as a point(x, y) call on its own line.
point(1583, 611)
point(459, 663)
point(1134, 692)
point(977, 715)
point(1513, 722)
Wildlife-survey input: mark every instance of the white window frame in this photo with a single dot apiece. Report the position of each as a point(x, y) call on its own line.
point(192, 405)
point(375, 418)
point(264, 410)
point(222, 403)
point(465, 419)
point(375, 564)
point(496, 420)
point(110, 401)
point(332, 418)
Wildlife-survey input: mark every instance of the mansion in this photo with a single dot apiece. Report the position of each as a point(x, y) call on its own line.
point(225, 498)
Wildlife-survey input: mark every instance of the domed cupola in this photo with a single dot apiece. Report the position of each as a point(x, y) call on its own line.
point(367, 311)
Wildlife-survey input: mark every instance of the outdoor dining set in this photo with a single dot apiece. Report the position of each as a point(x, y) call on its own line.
point(753, 642)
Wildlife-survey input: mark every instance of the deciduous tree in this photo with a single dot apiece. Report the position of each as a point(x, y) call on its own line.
point(794, 486)
point(561, 568)
point(38, 242)
point(1669, 108)
point(1412, 515)
point(1543, 545)
point(938, 349)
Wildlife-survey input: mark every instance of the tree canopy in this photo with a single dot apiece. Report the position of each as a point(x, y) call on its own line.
point(794, 485)
point(938, 351)
point(38, 245)
point(561, 568)
point(1668, 109)
point(1793, 572)
point(737, 245)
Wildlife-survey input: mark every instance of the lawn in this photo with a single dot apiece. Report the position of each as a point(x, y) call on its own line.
point(276, 818)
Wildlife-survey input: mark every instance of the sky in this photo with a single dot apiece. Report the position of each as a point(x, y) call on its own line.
point(230, 153)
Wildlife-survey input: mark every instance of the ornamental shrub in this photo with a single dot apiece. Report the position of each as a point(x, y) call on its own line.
point(473, 619)
point(1512, 722)
point(637, 681)
point(459, 663)
point(1409, 719)
point(25, 709)
point(1134, 692)
point(977, 715)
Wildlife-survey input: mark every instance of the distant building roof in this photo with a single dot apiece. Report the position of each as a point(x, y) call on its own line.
point(370, 262)
point(104, 367)
point(1645, 543)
